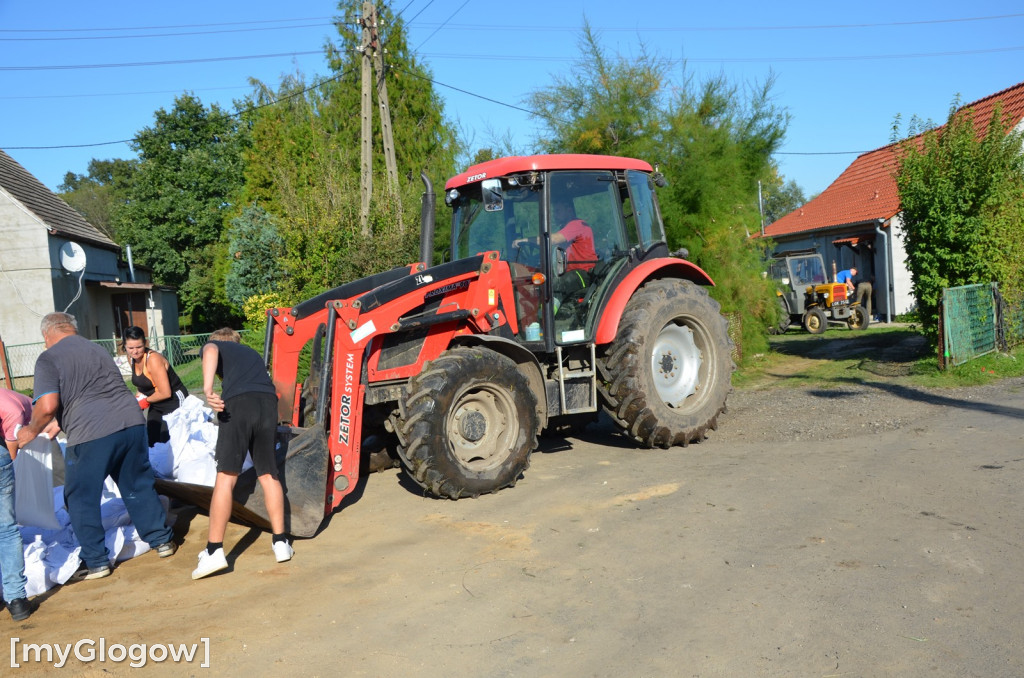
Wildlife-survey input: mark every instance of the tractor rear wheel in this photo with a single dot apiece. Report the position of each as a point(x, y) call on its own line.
point(815, 321)
point(468, 425)
point(784, 319)
point(668, 373)
point(858, 319)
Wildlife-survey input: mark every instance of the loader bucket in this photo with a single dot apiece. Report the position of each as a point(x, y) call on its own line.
point(302, 457)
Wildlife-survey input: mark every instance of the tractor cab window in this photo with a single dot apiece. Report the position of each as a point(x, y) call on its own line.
point(489, 216)
point(807, 270)
point(587, 246)
point(778, 270)
point(504, 215)
point(643, 210)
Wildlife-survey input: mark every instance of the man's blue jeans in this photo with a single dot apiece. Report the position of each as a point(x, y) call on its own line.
point(12, 551)
point(124, 456)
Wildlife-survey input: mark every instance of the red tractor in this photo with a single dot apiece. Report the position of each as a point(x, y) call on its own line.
point(533, 319)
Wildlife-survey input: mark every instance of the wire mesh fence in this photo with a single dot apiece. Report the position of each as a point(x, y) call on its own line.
point(181, 351)
point(967, 323)
point(975, 320)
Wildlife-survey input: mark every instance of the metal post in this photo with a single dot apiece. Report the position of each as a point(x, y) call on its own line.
point(385, 122)
point(7, 367)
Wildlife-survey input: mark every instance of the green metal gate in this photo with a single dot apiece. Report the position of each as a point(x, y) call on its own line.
point(968, 322)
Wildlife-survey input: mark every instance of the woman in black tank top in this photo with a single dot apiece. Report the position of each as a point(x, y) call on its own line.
point(155, 379)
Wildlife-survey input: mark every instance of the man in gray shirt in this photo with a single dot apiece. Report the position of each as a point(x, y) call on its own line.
point(78, 383)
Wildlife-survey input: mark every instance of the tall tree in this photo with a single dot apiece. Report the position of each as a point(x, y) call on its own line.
point(718, 144)
point(189, 173)
point(605, 104)
point(304, 163)
point(962, 200)
point(780, 197)
point(98, 193)
point(713, 141)
point(255, 252)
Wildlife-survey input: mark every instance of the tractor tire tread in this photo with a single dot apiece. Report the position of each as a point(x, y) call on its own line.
point(627, 392)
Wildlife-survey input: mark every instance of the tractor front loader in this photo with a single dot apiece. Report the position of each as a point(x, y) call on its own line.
point(463, 364)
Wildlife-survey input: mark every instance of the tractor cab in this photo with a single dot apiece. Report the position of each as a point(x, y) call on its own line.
point(567, 234)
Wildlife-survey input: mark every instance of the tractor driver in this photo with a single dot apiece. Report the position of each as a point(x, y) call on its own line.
point(580, 252)
point(577, 233)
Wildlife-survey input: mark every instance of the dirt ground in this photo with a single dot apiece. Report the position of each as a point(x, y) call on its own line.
point(844, 529)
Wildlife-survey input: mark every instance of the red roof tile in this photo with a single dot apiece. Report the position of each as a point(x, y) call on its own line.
point(866, 190)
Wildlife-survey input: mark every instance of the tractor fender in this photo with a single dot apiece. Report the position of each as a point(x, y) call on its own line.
point(662, 267)
point(525, 360)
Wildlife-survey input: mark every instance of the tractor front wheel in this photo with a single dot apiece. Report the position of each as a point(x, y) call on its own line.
point(668, 373)
point(468, 425)
point(858, 319)
point(815, 321)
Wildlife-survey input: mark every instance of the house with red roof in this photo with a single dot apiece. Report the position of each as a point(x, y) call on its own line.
point(855, 222)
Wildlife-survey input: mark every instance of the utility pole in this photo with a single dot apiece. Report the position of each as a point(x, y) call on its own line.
point(373, 64)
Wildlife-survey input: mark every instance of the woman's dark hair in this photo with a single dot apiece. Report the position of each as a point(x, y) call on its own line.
point(134, 332)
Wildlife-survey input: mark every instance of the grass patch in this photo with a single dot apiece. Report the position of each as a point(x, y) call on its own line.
point(880, 353)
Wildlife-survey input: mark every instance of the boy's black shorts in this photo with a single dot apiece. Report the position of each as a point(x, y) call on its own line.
point(248, 424)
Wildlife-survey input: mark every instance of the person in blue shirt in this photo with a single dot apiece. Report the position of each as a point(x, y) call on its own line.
point(847, 277)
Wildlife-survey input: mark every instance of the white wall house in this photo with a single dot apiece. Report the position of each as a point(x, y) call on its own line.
point(855, 222)
point(105, 296)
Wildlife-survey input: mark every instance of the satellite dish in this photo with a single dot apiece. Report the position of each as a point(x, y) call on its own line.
point(72, 257)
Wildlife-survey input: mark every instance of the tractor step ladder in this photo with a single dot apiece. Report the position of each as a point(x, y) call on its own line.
point(585, 373)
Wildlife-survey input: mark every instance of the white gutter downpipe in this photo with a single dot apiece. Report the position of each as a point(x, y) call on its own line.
point(131, 267)
point(886, 259)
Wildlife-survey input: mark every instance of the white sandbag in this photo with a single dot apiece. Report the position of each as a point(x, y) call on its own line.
point(51, 556)
point(33, 484)
point(193, 440)
point(161, 458)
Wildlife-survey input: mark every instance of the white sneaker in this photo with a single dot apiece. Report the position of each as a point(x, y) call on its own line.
point(283, 551)
point(210, 563)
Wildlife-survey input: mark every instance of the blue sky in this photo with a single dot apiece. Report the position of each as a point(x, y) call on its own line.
point(77, 74)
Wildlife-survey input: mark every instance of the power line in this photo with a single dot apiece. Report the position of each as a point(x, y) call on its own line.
point(162, 35)
point(679, 29)
point(443, 24)
point(419, 12)
point(819, 152)
point(408, 4)
point(714, 60)
point(114, 94)
point(496, 57)
point(236, 114)
point(534, 27)
point(171, 62)
point(475, 95)
point(157, 28)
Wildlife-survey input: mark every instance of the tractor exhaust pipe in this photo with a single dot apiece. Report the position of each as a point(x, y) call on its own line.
point(427, 222)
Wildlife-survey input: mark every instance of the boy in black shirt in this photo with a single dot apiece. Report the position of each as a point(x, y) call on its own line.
point(247, 410)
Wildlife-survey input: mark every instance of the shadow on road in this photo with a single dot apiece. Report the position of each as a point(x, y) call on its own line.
point(884, 353)
point(878, 344)
point(932, 398)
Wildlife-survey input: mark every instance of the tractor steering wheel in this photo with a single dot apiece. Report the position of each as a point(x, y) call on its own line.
point(526, 251)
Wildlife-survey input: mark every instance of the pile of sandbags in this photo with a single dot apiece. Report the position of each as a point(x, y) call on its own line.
point(51, 554)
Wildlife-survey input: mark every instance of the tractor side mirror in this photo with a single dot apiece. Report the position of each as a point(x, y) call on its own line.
point(561, 261)
point(490, 190)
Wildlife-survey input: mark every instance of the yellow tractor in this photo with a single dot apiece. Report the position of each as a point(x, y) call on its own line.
point(806, 296)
